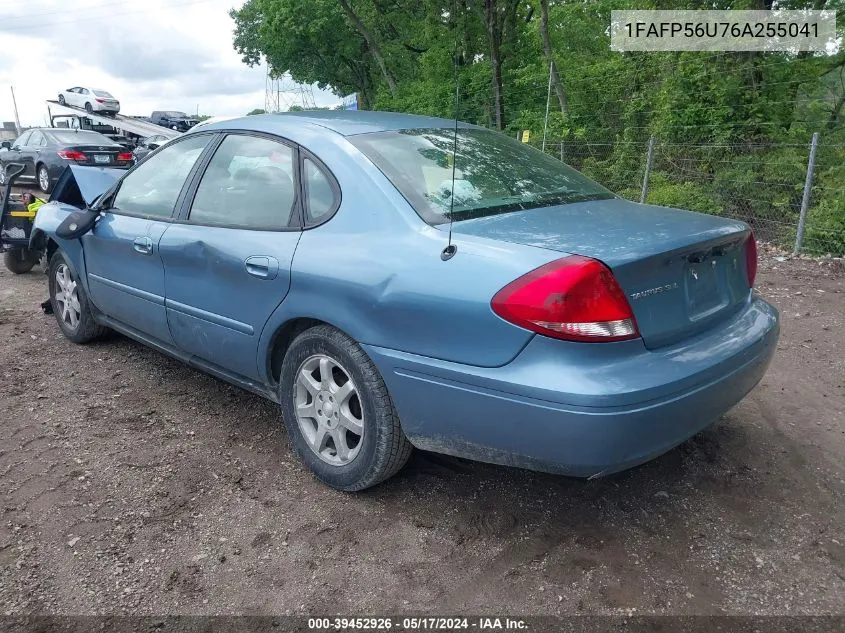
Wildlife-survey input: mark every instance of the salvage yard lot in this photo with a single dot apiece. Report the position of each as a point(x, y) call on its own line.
point(131, 483)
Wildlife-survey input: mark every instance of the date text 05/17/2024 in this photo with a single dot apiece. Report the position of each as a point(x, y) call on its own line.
point(491, 623)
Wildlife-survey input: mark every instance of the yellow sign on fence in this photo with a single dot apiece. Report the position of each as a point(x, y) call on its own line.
point(526, 134)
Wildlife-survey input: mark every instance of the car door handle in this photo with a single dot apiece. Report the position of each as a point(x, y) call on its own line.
point(143, 245)
point(262, 266)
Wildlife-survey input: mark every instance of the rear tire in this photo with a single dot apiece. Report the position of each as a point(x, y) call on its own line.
point(61, 99)
point(20, 260)
point(70, 302)
point(88, 107)
point(336, 369)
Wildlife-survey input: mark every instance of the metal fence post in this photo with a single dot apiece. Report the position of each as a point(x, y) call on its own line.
point(647, 168)
point(805, 201)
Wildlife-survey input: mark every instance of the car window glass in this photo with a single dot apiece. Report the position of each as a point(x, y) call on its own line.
point(84, 91)
point(249, 183)
point(23, 140)
point(321, 195)
point(492, 173)
point(37, 139)
point(154, 186)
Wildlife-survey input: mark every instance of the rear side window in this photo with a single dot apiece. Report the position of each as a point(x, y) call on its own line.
point(322, 198)
point(249, 183)
point(153, 187)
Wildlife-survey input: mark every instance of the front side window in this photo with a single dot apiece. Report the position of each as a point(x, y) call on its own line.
point(249, 183)
point(494, 173)
point(153, 187)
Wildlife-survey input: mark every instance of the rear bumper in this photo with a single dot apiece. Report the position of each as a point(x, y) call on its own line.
point(581, 409)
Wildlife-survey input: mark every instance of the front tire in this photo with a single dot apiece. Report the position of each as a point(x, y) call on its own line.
point(338, 413)
point(44, 178)
point(70, 303)
point(2, 175)
point(20, 260)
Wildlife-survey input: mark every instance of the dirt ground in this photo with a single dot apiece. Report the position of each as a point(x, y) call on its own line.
point(133, 484)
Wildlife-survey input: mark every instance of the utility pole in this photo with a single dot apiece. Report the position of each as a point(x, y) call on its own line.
point(548, 98)
point(17, 118)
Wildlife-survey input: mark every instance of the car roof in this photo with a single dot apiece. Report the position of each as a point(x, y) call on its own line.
point(344, 122)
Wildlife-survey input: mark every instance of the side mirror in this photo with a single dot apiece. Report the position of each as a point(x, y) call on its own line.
point(77, 224)
point(6, 144)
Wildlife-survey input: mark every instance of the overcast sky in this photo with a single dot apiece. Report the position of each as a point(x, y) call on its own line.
point(150, 54)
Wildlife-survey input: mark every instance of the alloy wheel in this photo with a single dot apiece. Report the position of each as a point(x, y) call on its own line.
point(328, 410)
point(67, 299)
point(44, 179)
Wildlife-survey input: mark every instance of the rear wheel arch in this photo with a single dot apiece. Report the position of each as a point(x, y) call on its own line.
point(281, 341)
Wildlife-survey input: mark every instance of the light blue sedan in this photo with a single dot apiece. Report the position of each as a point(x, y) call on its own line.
point(310, 258)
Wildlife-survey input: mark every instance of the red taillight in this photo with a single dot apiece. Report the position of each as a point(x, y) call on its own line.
point(751, 259)
point(124, 156)
point(98, 100)
point(71, 154)
point(574, 298)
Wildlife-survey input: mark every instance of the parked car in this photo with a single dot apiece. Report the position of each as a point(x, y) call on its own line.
point(147, 145)
point(506, 309)
point(173, 119)
point(124, 141)
point(45, 152)
point(92, 99)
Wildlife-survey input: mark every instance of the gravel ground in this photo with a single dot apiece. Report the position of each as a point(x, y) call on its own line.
point(133, 484)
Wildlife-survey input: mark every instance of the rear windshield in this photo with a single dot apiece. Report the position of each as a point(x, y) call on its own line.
point(103, 93)
point(494, 173)
point(80, 137)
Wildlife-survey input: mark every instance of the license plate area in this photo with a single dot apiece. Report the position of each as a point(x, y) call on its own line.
point(102, 159)
point(706, 292)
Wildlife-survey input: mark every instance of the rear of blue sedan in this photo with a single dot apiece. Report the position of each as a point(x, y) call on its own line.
point(645, 325)
point(396, 281)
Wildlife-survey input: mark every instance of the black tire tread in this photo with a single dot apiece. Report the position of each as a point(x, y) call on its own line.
point(18, 263)
point(393, 449)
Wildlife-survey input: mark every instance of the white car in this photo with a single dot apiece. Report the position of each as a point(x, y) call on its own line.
point(91, 99)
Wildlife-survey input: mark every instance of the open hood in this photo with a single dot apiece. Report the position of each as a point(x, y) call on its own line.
point(79, 186)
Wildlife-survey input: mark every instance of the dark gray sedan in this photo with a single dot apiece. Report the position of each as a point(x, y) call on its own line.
point(45, 152)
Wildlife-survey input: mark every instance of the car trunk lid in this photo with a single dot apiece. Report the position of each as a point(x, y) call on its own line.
point(100, 155)
point(681, 271)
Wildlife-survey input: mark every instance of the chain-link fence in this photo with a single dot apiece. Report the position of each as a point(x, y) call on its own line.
point(764, 184)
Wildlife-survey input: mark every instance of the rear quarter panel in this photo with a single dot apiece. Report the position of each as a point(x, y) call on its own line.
point(374, 271)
